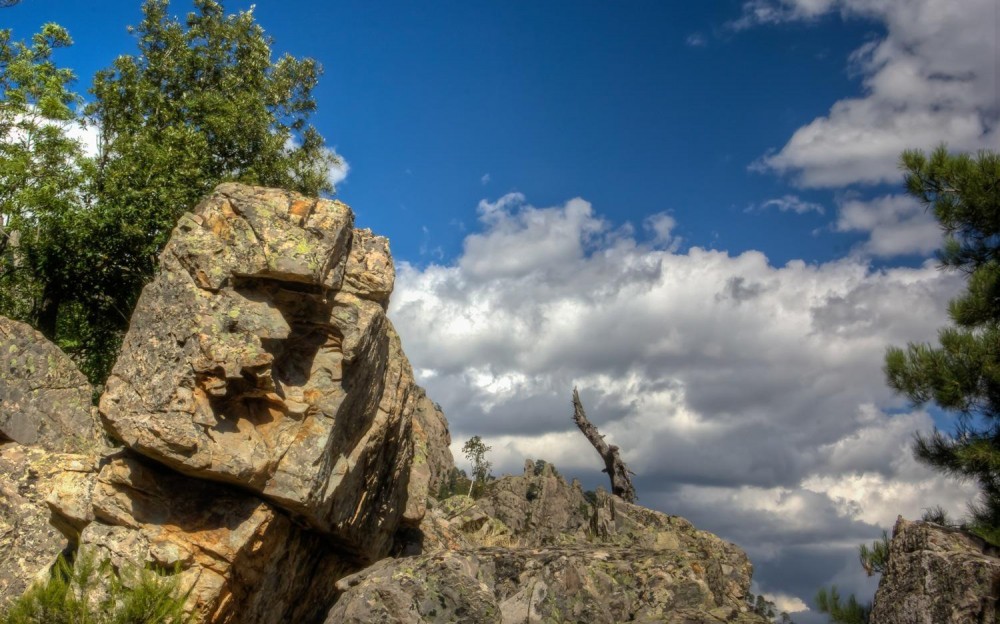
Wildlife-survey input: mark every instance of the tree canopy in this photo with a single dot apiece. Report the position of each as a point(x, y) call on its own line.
point(201, 101)
point(962, 372)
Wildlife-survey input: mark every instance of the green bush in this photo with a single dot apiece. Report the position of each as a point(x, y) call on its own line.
point(87, 593)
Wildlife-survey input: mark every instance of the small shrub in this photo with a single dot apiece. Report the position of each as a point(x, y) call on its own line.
point(937, 515)
point(534, 491)
point(86, 593)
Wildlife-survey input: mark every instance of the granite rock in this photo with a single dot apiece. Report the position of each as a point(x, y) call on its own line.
point(261, 356)
point(937, 575)
point(44, 398)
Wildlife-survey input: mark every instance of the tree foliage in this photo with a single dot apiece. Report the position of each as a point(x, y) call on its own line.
point(87, 593)
point(875, 557)
point(961, 373)
point(201, 101)
point(475, 451)
point(42, 170)
point(848, 611)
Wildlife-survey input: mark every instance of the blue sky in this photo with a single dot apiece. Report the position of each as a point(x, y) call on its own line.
point(691, 210)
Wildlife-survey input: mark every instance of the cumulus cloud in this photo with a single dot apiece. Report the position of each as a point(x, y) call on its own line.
point(896, 224)
point(747, 397)
point(931, 78)
point(338, 170)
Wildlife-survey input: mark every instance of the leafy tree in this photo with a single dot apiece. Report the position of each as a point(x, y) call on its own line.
point(456, 482)
point(42, 169)
point(475, 451)
point(87, 593)
point(848, 611)
point(962, 373)
point(875, 557)
point(201, 102)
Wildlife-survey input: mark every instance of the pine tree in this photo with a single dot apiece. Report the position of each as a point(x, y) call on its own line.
point(962, 373)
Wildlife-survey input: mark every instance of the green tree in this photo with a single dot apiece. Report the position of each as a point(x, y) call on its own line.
point(961, 373)
point(875, 557)
point(42, 169)
point(848, 611)
point(475, 451)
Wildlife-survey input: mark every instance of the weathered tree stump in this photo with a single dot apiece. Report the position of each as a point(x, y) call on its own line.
point(618, 472)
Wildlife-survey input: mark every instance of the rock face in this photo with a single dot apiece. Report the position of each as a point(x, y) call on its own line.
point(274, 447)
point(30, 536)
point(533, 549)
point(261, 356)
point(44, 398)
point(241, 559)
point(937, 575)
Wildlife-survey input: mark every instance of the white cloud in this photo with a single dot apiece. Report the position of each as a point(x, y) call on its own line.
point(747, 397)
point(896, 224)
point(786, 603)
point(932, 78)
point(789, 203)
point(339, 170)
point(662, 225)
point(485, 179)
point(696, 40)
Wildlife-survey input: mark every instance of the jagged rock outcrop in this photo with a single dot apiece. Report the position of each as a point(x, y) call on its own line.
point(432, 459)
point(31, 537)
point(533, 549)
point(937, 575)
point(44, 398)
point(261, 356)
point(240, 560)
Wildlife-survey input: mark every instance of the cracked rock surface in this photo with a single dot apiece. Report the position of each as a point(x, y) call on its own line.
point(937, 575)
point(44, 398)
point(261, 356)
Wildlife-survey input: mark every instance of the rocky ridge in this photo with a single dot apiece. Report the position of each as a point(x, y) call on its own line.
point(268, 444)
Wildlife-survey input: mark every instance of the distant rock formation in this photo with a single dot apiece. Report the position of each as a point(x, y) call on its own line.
point(271, 446)
point(534, 549)
point(937, 575)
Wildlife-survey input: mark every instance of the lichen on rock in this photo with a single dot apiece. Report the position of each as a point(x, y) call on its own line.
point(44, 398)
point(248, 361)
point(937, 575)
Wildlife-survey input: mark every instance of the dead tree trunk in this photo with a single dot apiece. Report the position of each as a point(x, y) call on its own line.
point(618, 472)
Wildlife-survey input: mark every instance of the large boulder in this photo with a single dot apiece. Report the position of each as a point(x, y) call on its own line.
point(937, 575)
point(44, 398)
point(240, 560)
point(261, 356)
